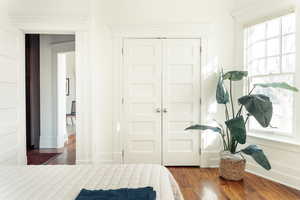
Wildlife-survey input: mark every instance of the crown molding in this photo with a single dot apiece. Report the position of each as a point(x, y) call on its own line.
point(262, 11)
point(48, 24)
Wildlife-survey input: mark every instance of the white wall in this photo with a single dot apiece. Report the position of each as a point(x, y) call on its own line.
point(107, 16)
point(48, 131)
point(50, 45)
point(62, 8)
point(70, 73)
point(12, 90)
point(282, 152)
point(102, 84)
point(223, 49)
point(61, 68)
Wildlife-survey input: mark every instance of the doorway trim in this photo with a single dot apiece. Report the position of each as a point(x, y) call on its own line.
point(57, 49)
point(120, 33)
point(79, 27)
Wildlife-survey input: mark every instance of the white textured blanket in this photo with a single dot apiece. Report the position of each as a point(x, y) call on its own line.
point(65, 182)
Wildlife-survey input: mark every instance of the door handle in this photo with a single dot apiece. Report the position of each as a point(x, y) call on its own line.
point(158, 110)
point(165, 110)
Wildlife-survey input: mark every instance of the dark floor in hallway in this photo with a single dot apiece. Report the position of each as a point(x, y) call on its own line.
point(63, 156)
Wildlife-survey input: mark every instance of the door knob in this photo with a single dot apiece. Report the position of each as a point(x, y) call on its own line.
point(157, 110)
point(165, 110)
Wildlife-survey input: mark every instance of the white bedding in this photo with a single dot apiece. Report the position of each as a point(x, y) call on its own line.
point(65, 182)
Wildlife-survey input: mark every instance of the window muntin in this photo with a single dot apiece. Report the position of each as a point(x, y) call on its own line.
point(270, 52)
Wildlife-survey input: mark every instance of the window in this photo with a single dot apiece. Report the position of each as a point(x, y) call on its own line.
point(270, 57)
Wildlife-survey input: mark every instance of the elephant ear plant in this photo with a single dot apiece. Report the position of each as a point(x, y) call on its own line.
point(258, 106)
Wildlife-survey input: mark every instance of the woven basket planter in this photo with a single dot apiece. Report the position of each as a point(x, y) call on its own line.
point(232, 166)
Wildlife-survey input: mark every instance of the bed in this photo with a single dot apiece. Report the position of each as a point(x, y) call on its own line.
point(62, 182)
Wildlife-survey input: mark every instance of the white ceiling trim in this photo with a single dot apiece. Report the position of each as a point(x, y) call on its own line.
point(50, 24)
point(256, 13)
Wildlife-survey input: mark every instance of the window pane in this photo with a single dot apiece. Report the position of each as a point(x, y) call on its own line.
point(271, 51)
point(282, 103)
point(288, 63)
point(257, 67)
point(273, 65)
point(259, 50)
point(273, 28)
point(288, 44)
point(257, 33)
point(273, 47)
point(288, 23)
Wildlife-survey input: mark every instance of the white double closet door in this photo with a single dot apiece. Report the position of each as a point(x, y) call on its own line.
point(161, 98)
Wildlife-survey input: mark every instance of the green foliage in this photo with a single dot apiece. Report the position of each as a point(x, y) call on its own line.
point(258, 155)
point(259, 106)
point(237, 129)
point(203, 128)
point(280, 85)
point(235, 75)
point(222, 95)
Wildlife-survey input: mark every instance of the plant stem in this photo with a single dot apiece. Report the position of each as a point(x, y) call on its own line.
point(235, 146)
point(225, 147)
point(231, 98)
point(227, 131)
point(226, 112)
point(247, 119)
point(240, 111)
point(241, 108)
point(252, 90)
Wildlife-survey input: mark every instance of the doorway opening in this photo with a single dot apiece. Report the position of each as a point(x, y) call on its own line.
point(50, 99)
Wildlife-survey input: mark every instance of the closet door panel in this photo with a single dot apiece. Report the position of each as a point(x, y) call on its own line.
point(181, 101)
point(142, 101)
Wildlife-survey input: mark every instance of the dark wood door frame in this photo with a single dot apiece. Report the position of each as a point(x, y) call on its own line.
point(32, 55)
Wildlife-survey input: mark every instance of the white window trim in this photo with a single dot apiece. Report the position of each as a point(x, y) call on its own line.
point(271, 134)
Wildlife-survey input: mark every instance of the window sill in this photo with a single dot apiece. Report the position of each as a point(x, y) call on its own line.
point(273, 139)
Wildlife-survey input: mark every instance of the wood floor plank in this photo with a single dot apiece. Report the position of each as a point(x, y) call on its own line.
point(68, 154)
point(205, 184)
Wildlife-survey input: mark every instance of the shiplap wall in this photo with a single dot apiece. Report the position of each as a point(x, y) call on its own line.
point(12, 103)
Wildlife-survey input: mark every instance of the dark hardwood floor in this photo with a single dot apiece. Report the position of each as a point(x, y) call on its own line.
point(63, 156)
point(68, 155)
point(205, 184)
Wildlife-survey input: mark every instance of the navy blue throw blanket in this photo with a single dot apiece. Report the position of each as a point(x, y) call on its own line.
point(146, 193)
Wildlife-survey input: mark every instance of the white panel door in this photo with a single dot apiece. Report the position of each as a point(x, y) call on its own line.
point(181, 101)
point(142, 101)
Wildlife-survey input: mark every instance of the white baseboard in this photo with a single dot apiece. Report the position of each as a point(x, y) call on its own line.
point(117, 157)
point(48, 142)
point(211, 160)
point(108, 158)
point(83, 162)
point(274, 175)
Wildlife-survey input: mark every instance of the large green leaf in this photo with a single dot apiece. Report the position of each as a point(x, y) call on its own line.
point(237, 129)
point(222, 95)
point(235, 75)
point(259, 106)
point(281, 85)
point(203, 128)
point(258, 155)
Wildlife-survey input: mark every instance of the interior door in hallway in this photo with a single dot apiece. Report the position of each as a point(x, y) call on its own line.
point(142, 101)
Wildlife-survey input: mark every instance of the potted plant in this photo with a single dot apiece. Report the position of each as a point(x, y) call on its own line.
point(258, 106)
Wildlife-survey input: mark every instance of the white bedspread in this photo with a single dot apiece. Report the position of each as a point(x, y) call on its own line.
point(65, 182)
